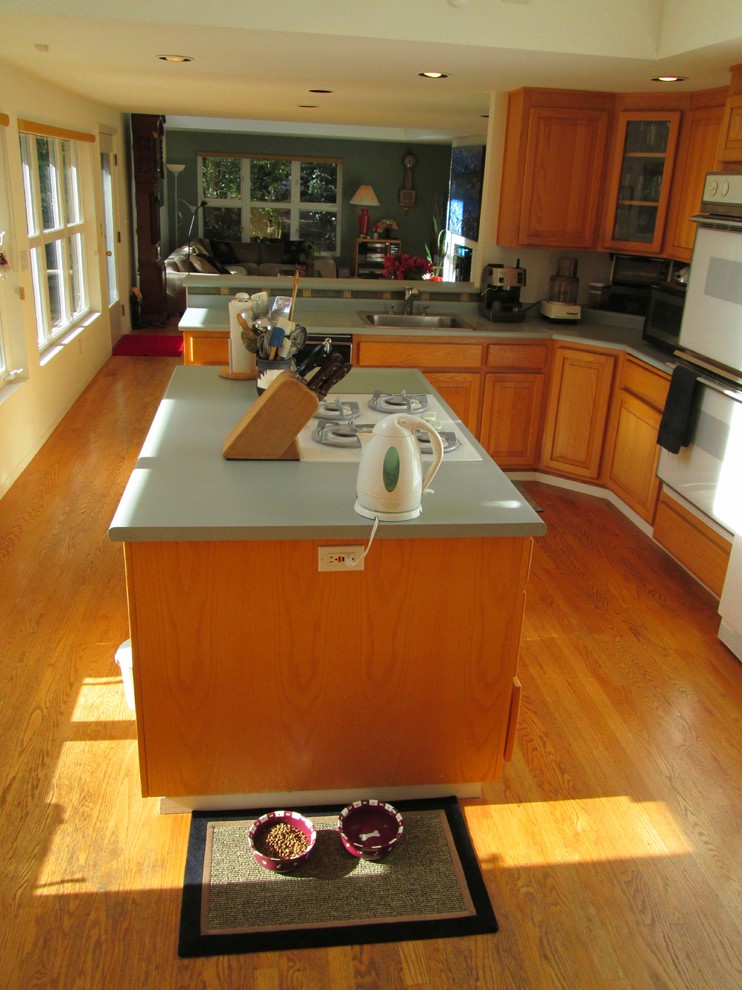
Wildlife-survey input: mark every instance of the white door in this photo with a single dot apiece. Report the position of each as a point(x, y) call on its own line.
point(111, 233)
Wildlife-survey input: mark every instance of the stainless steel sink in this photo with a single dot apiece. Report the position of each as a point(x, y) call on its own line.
point(396, 321)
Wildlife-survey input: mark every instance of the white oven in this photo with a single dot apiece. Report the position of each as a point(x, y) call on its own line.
point(708, 472)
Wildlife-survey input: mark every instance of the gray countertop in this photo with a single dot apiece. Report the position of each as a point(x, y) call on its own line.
point(598, 328)
point(182, 488)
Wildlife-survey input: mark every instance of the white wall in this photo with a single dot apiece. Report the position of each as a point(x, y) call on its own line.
point(31, 407)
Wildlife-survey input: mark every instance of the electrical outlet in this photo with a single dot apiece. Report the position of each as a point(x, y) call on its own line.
point(340, 558)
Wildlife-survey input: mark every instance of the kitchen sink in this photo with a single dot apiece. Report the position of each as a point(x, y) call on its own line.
point(430, 321)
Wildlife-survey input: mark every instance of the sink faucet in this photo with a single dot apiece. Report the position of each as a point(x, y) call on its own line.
point(409, 300)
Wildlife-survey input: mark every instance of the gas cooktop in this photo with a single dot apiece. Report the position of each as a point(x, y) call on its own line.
point(340, 414)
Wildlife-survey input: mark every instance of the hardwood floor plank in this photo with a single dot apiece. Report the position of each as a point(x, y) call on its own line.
point(611, 846)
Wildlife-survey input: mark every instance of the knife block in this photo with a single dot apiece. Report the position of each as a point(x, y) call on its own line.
point(268, 430)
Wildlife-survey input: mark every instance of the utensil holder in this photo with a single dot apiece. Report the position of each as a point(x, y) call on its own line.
point(269, 370)
point(269, 428)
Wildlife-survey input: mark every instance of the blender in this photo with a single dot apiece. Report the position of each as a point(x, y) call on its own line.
point(561, 306)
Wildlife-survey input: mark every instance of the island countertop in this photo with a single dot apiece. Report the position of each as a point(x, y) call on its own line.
point(182, 489)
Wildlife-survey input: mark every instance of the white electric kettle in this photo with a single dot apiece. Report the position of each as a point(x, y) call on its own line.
point(390, 481)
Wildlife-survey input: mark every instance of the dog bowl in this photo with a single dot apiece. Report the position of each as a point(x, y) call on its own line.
point(369, 829)
point(281, 840)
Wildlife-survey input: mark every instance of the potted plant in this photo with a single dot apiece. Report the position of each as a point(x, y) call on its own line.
point(437, 256)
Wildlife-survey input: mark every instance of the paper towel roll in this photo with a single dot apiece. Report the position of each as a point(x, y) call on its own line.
point(241, 361)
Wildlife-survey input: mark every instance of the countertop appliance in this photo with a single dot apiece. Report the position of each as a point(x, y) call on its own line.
point(664, 315)
point(631, 280)
point(391, 478)
point(499, 293)
point(711, 331)
point(708, 472)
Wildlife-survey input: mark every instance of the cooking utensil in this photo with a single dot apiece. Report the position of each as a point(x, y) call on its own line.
point(294, 290)
point(326, 372)
point(275, 340)
point(314, 357)
point(338, 376)
point(390, 482)
point(293, 344)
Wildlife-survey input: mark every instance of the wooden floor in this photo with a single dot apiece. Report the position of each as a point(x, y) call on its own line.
point(611, 847)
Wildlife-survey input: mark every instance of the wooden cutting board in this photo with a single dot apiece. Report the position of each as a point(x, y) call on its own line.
point(268, 430)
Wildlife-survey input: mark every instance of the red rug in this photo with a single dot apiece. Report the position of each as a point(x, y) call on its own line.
point(149, 345)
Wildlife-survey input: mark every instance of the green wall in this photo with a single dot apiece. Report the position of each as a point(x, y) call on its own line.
point(376, 163)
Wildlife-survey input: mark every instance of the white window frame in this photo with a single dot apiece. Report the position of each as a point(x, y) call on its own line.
point(66, 236)
point(293, 205)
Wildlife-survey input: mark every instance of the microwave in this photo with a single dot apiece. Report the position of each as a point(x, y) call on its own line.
point(664, 315)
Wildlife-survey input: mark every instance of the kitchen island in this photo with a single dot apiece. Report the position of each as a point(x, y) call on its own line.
point(256, 674)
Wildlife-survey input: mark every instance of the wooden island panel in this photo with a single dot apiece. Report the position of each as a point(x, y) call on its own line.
point(254, 672)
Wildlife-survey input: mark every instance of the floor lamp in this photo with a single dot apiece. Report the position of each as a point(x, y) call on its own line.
point(176, 170)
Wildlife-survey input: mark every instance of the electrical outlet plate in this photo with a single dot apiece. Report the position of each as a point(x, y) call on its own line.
point(340, 558)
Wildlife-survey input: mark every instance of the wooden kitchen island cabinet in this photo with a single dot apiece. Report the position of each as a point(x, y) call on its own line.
point(255, 673)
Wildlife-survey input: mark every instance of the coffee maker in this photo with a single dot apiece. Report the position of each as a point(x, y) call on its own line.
point(499, 294)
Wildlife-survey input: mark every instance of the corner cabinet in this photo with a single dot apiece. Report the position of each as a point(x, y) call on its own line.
point(553, 167)
point(640, 179)
point(632, 453)
point(696, 156)
point(730, 138)
point(577, 411)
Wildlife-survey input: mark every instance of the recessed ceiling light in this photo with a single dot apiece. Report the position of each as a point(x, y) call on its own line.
point(669, 78)
point(175, 58)
point(321, 90)
point(433, 75)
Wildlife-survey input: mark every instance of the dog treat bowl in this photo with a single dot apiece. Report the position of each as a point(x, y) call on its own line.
point(281, 840)
point(369, 829)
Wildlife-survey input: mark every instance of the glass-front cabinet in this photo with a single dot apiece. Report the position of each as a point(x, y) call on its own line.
point(639, 181)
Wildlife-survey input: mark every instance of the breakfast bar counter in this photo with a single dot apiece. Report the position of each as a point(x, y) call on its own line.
point(255, 673)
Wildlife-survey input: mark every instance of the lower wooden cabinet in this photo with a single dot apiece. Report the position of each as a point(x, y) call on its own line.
point(205, 347)
point(698, 547)
point(511, 418)
point(461, 390)
point(513, 399)
point(576, 411)
point(459, 387)
point(632, 452)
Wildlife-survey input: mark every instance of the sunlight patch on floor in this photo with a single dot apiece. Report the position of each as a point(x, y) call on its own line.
point(584, 830)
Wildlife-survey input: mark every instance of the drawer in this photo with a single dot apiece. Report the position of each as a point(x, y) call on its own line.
point(397, 354)
point(518, 357)
point(645, 382)
point(698, 547)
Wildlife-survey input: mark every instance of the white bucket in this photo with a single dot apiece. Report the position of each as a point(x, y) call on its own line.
point(125, 661)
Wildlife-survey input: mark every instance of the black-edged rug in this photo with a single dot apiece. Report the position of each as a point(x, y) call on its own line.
point(429, 886)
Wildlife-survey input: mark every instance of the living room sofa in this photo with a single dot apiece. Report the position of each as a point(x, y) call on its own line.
point(209, 256)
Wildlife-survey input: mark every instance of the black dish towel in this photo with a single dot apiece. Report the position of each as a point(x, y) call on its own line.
point(676, 423)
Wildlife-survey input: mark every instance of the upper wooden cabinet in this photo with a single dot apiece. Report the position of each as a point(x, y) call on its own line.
point(696, 155)
point(730, 137)
point(638, 192)
point(553, 166)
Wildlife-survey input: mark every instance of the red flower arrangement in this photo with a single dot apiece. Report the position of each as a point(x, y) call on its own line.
point(406, 266)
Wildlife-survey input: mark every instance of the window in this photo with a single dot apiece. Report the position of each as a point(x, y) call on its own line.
point(287, 198)
point(56, 232)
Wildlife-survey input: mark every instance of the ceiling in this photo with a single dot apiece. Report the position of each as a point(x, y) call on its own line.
point(254, 62)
